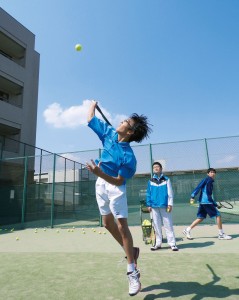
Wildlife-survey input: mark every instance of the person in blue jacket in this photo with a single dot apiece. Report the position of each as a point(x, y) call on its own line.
point(207, 205)
point(117, 164)
point(159, 200)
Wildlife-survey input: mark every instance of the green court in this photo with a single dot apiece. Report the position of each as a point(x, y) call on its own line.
point(87, 263)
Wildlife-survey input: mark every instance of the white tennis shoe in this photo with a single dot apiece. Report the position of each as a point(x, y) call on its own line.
point(174, 248)
point(134, 283)
point(187, 234)
point(224, 237)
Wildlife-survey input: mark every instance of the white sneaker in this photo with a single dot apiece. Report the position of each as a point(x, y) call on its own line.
point(155, 248)
point(187, 234)
point(174, 248)
point(134, 283)
point(224, 237)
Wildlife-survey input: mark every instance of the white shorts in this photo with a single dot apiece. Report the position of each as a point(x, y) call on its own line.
point(111, 199)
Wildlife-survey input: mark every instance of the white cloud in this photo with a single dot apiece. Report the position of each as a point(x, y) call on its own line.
point(71, 117)
point(75, 116)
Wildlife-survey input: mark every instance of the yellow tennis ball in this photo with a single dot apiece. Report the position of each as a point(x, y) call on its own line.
point(78, 47)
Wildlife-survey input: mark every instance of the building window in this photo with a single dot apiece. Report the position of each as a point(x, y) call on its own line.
point(11, 92)
point(12, 50)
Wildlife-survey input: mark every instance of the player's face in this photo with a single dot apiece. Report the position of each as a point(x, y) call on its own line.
point(212, 174)
point(157, 169)
point(125, 126)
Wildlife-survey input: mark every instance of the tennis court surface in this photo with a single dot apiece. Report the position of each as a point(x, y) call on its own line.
point(77, 263)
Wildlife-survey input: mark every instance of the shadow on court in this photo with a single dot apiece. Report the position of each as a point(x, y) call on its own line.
point(235, 236)
point(197, 290)
point(195, 245)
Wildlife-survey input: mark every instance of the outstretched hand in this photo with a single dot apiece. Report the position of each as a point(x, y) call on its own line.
point(92, 167)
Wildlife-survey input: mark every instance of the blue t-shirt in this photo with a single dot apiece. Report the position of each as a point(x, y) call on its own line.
point(117, 158)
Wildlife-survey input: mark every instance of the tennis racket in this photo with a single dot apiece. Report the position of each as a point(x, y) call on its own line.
point(225, 204)
point(103, 116)
point(152, 234)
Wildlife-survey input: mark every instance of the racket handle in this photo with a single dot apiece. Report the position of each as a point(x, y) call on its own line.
point(103, 116)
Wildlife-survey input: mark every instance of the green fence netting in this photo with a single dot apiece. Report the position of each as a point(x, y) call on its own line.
point(47, 189)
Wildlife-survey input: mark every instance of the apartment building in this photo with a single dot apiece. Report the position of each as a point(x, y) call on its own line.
point(19, 75)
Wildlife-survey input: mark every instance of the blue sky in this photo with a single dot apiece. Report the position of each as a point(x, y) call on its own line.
point(177, 62)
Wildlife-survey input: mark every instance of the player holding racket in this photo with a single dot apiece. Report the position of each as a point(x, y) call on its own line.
point(207, 206)
point(118, 163)
point(159, 200)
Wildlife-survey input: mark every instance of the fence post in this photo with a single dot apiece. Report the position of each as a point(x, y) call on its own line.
point(53, 191)
point(39, 177)
point(24, 194)
point(151, 159)
point(207, 155)
point(64, 187)
point(74, 190)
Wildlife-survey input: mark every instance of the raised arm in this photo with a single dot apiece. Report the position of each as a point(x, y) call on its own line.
point(91, 112)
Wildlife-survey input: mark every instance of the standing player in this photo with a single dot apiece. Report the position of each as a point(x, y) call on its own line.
point(207, 206)
point(118, 163)
point(159, 200)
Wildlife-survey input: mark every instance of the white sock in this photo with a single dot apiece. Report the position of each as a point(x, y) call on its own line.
point(188, 229)
point(221, 231)
point(130, 267)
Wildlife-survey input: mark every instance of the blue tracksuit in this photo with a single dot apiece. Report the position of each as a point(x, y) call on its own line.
point(159, 192)
point(206, 188)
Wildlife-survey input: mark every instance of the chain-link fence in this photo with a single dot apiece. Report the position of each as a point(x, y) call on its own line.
point(186, 163)
point(47, 189)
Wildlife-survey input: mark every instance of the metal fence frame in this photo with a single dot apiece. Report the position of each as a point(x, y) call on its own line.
point(184, 161)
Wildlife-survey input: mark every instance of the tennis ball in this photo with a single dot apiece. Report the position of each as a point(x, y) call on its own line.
point(78, 47)
point(17, 238)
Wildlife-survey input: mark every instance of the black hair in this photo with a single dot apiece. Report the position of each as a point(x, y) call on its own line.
point(141, 128)
point(157, 163)
point(211, 169)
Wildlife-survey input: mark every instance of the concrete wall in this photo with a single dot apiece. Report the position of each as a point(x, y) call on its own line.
point(19, 76)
